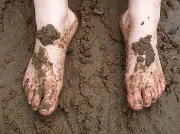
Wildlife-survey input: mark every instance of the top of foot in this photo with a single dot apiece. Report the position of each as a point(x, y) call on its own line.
point(144, 76)
point(44, 75)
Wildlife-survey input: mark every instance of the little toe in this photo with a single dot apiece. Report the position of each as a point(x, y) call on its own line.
point(26, 86)
point(31, 94)
point(160, 89)
point(135, 100)
point(163, 83)
point(49, 103)
point(25, 82)
point(147, 98)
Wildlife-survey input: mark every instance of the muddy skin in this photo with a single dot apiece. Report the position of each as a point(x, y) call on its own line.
point(93, 98)
point(45, 106)
point(47, 34)
point(41, 89)
point(45, 67)
point(143, 47)
point(39, 60)
point(63, 42)
point(45, 76)
point(26, 89)
point(140, 66)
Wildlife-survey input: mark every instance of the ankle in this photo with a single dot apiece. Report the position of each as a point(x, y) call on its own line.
point(58, 21)
point(51, 12)
point(144, 12)
point(142, 25)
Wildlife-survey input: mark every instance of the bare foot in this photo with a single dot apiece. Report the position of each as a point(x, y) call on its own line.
point(144, 76)
point(44, 76)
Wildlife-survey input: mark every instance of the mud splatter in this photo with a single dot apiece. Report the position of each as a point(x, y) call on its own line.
point(144, 47)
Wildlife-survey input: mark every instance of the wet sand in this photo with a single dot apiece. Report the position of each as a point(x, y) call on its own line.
point(93, 99)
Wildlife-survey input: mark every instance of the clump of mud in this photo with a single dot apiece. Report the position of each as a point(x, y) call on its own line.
point(47, 34)
point(144, 47)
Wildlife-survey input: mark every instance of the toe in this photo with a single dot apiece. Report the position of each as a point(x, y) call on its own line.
point(26, 85)
point(49, 103)
point(31, 94)
point(27, 88)
point(37, 99)
point(154, 94)
point(163, 83)
point(147, 99)
point(135, 99)
point(160, 89)
point(25, 81)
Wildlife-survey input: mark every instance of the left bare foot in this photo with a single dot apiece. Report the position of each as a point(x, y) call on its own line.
point(144, 76)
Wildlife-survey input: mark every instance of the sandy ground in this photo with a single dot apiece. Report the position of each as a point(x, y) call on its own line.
point(93, 99)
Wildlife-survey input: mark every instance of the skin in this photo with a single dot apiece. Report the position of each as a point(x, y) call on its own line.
point(144, 85)
point(44, 76)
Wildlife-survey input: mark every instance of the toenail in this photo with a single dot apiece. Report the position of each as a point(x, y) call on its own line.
point(35, 109)
point(138, 103)
point(146, 105)
point(44, 107)
point(29, 102)
point(154, 100)
point(43, 110)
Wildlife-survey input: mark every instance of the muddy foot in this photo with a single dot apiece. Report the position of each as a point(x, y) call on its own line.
point(44, 76)
point(144, 76)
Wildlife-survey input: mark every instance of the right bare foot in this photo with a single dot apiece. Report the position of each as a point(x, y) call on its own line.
point(44, 76)
point(144, 76)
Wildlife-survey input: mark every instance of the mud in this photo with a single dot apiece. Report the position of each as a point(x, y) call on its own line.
point(39, 59)
point(144, 47)
point(45, 106)
point(93, 98)
point(47, 34)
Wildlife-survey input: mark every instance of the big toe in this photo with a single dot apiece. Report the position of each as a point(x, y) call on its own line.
point(37, 99)
point(135, 99)
point(49, 103)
